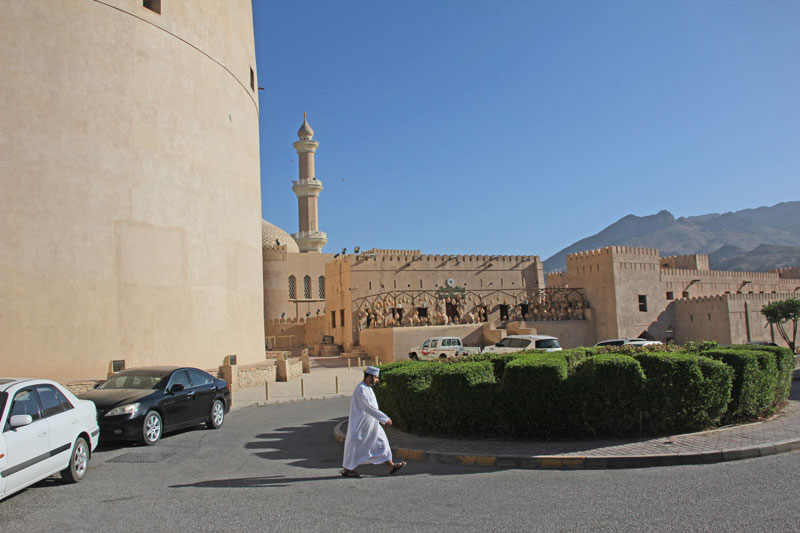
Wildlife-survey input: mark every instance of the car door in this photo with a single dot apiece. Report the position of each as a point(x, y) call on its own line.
point(63, 422)
point(204, 392)
point(178, 406)
point(27, 447)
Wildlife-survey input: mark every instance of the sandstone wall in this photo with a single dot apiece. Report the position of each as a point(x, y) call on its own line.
point(129, 186)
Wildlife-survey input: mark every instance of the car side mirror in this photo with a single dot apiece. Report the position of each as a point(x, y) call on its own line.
point(176, 388)
point(20, 420)
point(498, 344)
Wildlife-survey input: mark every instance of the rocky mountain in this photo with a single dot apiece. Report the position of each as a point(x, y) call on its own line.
point(764, 257)
point(728, 235)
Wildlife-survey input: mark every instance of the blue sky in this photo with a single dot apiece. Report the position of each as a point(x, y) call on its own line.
point(520, 127)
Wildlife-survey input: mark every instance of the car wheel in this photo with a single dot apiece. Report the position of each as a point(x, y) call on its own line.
point(442, 357)
point(151, 428)
point(217, 415)
point(78, 462)
point(413, 356)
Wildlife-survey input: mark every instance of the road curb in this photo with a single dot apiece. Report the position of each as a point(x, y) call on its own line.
point(586, 462)
point(264, 403)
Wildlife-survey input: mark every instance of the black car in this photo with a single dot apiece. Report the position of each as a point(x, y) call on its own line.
point(140, 404)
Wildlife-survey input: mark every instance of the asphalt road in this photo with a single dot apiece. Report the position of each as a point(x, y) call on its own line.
point(276, 469)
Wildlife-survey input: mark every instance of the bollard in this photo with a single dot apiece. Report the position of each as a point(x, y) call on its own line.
point(359, 362)
point(337, 384)
point(302, 388)
point(348, 364)
point(266, 388)
point(377, 361)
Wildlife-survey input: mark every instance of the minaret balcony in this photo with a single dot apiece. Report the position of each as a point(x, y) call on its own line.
point(304, 188)
point(305, 145)
point(310, 241)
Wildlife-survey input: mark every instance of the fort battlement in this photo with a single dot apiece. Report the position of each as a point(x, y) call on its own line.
point(457, 259)
point(295, 320)
point(688, 262)
point(384, 251)
point(610, 254)
point(556, 279)
point(788, 272)
point(717, 275)
point(739, 297)
point(274, 252)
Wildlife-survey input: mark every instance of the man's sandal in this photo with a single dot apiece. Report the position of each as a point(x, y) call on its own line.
point(396, 467)
point(350, 473)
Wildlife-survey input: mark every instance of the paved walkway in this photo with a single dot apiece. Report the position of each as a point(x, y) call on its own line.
point(779, 434)
point(320, 383)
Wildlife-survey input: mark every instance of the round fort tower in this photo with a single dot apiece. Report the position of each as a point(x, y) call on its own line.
point(129, 186)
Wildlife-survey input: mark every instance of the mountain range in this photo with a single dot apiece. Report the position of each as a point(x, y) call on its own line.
point(748, 240)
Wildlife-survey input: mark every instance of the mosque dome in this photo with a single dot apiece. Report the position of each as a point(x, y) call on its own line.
point(272, 235)
point(305, 132)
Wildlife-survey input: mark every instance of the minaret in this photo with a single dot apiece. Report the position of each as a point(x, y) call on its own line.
point(307, 189)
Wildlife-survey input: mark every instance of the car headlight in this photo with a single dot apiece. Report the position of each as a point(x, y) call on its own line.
point(123, 410)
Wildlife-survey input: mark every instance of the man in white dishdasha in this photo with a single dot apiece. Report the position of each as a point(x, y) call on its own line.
point(366, 441)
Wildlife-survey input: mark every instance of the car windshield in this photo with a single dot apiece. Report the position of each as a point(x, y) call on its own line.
point(611, 343)
point(547, 343)
point(136, 380)
point(3, 397)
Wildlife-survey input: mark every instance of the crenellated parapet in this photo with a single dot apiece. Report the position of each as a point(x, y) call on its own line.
point(385, 251)
point(738, 297)
point(609, 255)
point(556, 279)
point(406, 257)
point(688, 262)
point(296, 320)
point(714, 275)
point(788, 272)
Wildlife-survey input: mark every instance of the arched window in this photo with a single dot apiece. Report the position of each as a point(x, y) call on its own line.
point(321, 282)
point(307, 287)
point(292, 287)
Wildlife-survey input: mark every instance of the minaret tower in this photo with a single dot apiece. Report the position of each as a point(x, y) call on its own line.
point(307, 189)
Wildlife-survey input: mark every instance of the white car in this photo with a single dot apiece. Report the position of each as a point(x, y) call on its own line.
point(46, 430)
point(627, 341)
point(519, 343)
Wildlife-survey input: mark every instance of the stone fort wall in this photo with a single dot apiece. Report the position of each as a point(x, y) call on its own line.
point(130, 186)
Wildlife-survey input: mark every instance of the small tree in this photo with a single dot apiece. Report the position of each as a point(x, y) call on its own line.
point(781, 312)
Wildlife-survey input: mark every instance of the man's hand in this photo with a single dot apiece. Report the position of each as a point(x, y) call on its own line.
point(388, 422)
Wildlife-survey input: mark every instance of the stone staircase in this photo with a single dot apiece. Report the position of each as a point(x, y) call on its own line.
point(356, 353)
point(325, 350)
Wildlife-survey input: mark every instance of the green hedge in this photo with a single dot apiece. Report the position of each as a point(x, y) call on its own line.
point(462, 398)
point(755, 381)
point(532, 395)
point(682, 392)
point(582, 393)
point(606, 394)
point(784, 360)
point(403, 393)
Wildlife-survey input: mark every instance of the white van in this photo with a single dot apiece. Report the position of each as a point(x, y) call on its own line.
point(520, 343)
point(440, 348)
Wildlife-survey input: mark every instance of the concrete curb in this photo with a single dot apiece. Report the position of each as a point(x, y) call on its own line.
point(586, 462)
point(264, 403)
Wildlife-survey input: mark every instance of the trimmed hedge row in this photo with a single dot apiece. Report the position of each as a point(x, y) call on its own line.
point(576, 394)
point(761, 381)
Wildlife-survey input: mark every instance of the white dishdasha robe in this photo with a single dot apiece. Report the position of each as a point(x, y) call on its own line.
point(366, 441)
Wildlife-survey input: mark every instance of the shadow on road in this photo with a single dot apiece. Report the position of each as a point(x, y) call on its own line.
point(307, 446)
point(312, 446)
point(253, 482)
